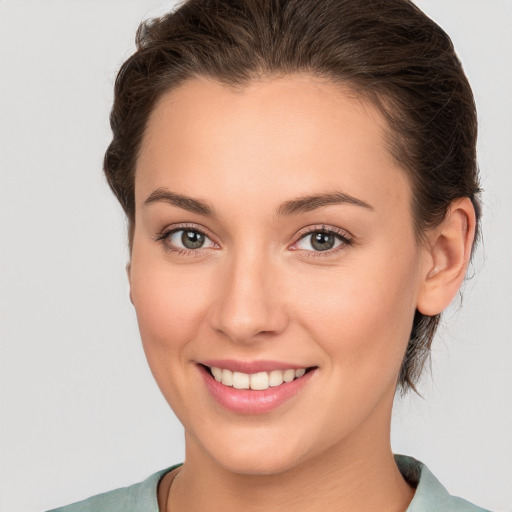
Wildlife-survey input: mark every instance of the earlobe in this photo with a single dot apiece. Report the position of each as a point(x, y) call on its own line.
point(448, 253)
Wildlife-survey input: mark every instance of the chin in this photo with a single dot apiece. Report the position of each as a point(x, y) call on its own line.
point(261, 464)
point(255, 452)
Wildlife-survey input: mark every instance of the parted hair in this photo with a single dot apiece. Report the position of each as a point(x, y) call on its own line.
point(387, 52)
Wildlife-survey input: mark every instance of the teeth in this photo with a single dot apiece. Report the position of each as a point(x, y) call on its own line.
point(257, 381)
point(289, 375)
point(217, 373)
point(227, 377)
point(241, 380)
point(275, 378)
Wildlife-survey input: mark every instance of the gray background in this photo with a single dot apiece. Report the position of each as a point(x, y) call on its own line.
point(80, 412)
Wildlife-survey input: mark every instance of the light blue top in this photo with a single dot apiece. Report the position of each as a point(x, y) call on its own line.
point(430, 495)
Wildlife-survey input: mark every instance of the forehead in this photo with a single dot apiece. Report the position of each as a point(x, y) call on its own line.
point(280, 137)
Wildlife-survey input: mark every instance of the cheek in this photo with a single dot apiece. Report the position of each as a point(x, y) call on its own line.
point(361, 314)
point(169, 303)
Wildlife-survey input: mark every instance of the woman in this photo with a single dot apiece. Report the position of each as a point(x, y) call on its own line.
point(301, 188)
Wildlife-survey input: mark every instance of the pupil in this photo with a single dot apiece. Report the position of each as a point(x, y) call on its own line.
point(192, 239)
point(322, 241)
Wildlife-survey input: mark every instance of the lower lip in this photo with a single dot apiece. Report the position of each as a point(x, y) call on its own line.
point(250, 401)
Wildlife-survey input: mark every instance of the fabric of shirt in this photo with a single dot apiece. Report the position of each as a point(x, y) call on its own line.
point(430, 495)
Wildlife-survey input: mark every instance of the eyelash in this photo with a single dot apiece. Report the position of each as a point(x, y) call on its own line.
point(162, 237)
point(345, 239)
point(342, 236)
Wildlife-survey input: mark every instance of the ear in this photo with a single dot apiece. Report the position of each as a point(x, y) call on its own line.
point(128, 273)
point(448, 250)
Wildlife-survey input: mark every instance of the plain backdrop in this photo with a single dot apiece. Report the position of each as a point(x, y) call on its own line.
point(80, 413)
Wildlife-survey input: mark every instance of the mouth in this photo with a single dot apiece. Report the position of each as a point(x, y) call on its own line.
point(258, 381)
point(260, 389)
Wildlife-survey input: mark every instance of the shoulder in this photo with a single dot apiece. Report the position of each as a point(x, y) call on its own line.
point(430, 495)
point(140, 497)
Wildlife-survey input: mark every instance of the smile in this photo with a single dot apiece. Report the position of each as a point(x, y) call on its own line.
point(260, 388)
point(256, 381)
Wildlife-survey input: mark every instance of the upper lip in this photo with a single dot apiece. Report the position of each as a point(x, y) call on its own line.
point(251, 366)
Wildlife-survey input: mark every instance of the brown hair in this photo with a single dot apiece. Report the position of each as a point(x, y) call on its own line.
point(386, 51)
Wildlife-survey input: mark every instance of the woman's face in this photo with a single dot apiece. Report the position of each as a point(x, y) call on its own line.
point(273, 234)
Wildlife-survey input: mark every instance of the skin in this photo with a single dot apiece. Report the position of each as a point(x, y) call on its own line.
point(259, 290)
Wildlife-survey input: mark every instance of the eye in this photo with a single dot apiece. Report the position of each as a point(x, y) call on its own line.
point(321, 240)
point(186, 239)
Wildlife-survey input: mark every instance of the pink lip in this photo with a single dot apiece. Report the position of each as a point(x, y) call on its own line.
point(249, 401)
point(250, 366)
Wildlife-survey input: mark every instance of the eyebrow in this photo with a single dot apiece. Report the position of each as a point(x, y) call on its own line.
point(309, 203)
point(294, 206)
point(184, 202)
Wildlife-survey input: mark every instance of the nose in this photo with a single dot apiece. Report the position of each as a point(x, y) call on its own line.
point(248, 305)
